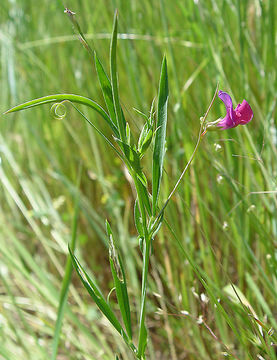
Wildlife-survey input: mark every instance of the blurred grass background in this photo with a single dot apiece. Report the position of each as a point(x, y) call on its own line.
point(223, 217)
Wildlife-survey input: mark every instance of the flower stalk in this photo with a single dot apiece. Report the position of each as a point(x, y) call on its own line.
point(203, 126)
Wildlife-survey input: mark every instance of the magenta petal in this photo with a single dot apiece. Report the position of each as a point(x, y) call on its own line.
point(226, 98)
point(228, 121)
point(244, 113)
point(240, 116)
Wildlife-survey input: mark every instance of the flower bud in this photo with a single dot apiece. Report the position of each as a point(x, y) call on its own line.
point(145, 139)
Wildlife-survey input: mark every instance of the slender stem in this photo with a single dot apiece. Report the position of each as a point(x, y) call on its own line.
point(146, 256)
point(140, 201)
point(142, 329)
point(200, 137)
point(183, 172)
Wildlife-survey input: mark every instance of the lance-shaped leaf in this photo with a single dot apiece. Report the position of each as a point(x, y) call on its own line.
point(106, 88)
point(119, 282)
point(96, 295)
point(69, 97)
point(145, 139)
point(121, 123)
point(147, 131)
point(159, 144)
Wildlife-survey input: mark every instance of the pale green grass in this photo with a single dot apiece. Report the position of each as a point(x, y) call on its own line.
point(222, 225)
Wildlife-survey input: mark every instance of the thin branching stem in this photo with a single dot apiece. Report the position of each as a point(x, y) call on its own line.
point(199, 139)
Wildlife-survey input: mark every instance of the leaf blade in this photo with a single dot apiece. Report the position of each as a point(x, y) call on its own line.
point(106, 87)
point(66, 97)
point(96, 294)
point(120, 284)
point(159, 143)
point(121, 123)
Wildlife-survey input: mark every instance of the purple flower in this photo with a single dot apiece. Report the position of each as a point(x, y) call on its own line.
point(240, 116)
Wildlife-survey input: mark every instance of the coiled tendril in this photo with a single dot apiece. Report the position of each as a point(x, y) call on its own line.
point(58, 110)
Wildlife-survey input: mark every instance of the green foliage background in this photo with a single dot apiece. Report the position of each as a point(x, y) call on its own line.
point(224, 215)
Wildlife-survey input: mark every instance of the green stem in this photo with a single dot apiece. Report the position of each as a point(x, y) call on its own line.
point(142, 328)
point(200, 137)
point(141, 204)
point(183, 172)
point(146, 256)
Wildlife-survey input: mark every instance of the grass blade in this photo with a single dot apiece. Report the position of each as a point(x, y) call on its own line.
point(121, 124)
point(96, 295)
point(159, 144)
point(69, 97)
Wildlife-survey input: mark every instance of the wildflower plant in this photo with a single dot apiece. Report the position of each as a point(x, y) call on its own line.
point(148, 212)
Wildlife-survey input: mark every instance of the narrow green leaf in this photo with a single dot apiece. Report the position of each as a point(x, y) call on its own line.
point(159, 144)
point(237, 296)
point(106, 88)
point(96, 294)
point(119, 282)
point(260, 298)
point(145, 139)
point(121, 123)
point(69, 97)
point(66, 279)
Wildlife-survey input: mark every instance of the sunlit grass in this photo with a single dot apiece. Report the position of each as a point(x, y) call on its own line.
point(222, 223)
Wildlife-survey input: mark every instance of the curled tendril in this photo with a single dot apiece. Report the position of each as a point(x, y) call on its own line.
point(58, 110)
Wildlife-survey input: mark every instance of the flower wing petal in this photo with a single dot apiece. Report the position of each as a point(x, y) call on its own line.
point(226, 123)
